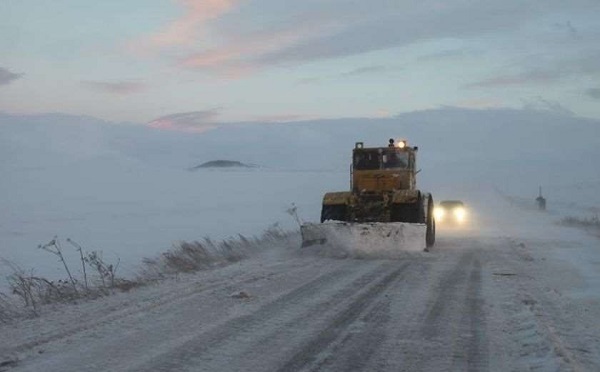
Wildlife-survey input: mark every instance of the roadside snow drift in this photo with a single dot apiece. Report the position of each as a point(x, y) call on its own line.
point(364, 240)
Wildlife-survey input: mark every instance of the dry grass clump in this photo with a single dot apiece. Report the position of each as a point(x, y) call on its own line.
point(28, 292)
point(591, 224)
point(188, 257)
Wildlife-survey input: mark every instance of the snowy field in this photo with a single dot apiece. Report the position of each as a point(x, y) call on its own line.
point(132, 213)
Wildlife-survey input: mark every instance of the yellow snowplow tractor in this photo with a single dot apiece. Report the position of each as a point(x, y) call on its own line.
point(382, 190)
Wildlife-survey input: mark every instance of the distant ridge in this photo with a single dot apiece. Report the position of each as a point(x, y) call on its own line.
point(222, 164)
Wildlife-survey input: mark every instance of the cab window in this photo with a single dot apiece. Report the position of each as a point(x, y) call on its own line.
point(394, 159)
point(366, 160)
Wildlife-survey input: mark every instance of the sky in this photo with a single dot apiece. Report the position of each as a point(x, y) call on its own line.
point(192, 65)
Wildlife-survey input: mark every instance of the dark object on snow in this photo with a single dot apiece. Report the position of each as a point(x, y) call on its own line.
point(541, 201)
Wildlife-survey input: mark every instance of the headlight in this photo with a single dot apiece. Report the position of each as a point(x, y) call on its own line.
point(401, 144)
point(438, 213)
point(460, 214)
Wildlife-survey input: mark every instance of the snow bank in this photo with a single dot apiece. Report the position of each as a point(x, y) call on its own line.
point(364, 240)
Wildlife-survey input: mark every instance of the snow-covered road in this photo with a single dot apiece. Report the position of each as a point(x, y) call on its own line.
point(476, 303)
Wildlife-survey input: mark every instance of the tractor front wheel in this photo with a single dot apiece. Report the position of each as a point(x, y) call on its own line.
point(430, 233)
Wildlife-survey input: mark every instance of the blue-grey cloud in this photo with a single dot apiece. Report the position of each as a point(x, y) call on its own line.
point(385, 24)
point(115, 87)
point(568, 27)
point(553, 71)
point(542, 104)
point(450, 53)
point(533, 77)
point(593, 92)
point(193, 121)
point(366, 70)
point(7, 77)
point(273, 35)
point(360, 71)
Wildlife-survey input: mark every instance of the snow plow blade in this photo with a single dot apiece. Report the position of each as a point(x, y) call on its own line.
point(364, 239)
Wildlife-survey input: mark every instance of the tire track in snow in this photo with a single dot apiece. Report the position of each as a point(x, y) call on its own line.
point(451, 334)
point(360, 340)
point(195, 351)
point(475, 350)
point(308, 356)
point(313, 317)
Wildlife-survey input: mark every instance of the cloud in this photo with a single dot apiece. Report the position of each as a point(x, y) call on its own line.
point(226, 39)
point(568, 27)
point(7, 77)
point(376, 25)
point(541, 104)
point(450, 53)
point(360, 71)
point(118, 87)
point(534, 77)
point(281, 118)
point(363, 71)
point(593, 92)
point(193, 122)
point(585, 64)
point(479, 103)
point(241, 56)
point(188, 28)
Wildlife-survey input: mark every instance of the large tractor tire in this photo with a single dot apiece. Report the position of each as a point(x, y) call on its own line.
point(333, 213)
point(430, 233)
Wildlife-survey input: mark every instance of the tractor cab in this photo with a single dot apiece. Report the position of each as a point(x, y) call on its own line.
point(380, 169)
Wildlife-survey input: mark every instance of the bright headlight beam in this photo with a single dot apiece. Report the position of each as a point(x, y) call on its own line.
point(438, 213)
point(459, 213)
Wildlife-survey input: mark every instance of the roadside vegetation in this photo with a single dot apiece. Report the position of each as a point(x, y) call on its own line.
point(95, 277)
point(590, 224)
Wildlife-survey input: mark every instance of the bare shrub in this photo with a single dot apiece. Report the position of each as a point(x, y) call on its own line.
point(33, 291)
point(582, 222)
point(293, 211)
point(106, 272)
point(30, 292)
point(7, 309)
point(54, 247)
point(188, 257)
point(590, 224)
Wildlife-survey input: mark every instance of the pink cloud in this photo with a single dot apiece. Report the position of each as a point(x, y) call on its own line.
point(191, 122)
point(186, 29)
point(242, 56)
